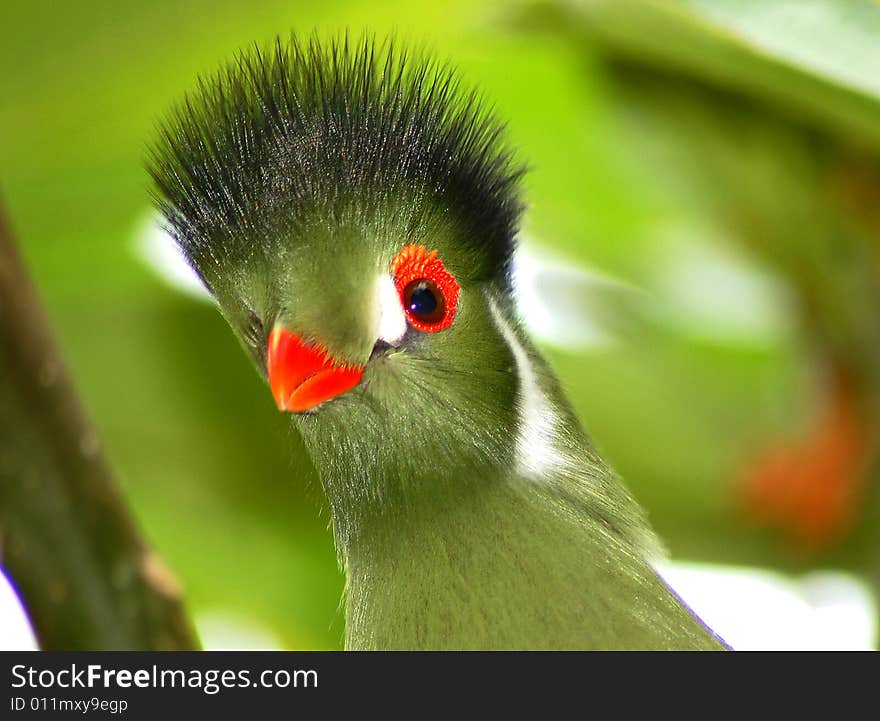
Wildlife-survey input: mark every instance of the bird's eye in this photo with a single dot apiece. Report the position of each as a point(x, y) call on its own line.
point(424, 300)
point(428, 291)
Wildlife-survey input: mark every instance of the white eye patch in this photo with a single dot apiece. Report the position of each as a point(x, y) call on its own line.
point(392, 319)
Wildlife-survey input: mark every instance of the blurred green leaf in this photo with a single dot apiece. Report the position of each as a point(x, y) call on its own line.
point(817, 57)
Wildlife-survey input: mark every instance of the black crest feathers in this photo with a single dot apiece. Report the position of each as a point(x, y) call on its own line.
point(306, 126)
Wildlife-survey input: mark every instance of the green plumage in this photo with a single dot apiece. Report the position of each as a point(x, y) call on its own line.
point(468, 506)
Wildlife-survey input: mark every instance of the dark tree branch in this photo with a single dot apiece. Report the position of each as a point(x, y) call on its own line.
point(82, 568)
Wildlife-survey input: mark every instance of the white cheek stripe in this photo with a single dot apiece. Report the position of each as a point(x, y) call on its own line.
point(392, 319)
point(536, 451)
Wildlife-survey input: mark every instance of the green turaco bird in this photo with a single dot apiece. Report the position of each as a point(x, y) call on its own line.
point(354, 212)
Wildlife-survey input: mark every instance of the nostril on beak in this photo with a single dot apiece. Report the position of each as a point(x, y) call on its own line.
point(382, 347)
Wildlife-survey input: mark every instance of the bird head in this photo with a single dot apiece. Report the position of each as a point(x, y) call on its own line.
point(353, 211)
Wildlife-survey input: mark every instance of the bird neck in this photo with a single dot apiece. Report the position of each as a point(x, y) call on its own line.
point(463, 574)
point(511, 563)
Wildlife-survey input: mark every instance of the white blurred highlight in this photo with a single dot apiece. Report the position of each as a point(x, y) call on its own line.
point(225, 631)
point(710, 291)
point(160, 252)
point(15, 629)
point(757, 609)
point(553, 298)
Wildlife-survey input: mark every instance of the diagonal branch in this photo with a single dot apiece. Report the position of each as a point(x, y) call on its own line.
point(84, 572)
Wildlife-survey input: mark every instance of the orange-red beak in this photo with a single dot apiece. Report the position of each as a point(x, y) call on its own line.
point(303, 376)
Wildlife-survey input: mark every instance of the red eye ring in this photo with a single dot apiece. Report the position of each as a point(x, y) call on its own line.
point(417, 270)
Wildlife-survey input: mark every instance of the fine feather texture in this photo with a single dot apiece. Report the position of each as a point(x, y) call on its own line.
point(469, 507)
point(301, 129)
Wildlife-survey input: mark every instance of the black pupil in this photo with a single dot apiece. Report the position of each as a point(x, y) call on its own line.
point(422, 300)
